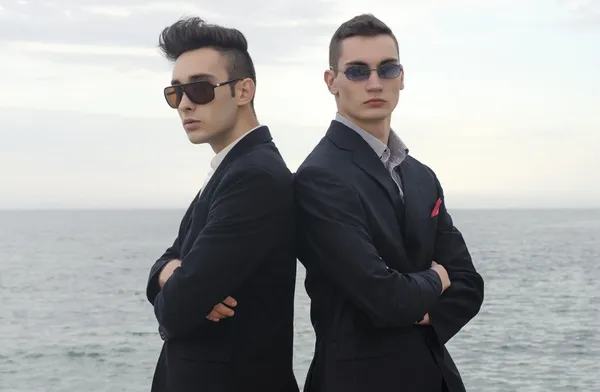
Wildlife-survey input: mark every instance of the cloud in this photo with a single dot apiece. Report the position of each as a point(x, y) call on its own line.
point(581, 6)
point(120, 58)
point(83, 121)
point(274, 31)
point(41, 47)
point(85, 31)
point(582, 13)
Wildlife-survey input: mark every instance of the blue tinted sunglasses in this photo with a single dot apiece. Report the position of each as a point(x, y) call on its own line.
point(357, 73)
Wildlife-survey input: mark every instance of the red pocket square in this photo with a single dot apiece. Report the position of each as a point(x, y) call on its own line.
point(436, 209)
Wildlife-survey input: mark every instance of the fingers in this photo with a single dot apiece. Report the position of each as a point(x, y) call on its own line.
point(220, 311)
point(223, 310)
point(425, 320)
point(230, 302)
point(214, 316)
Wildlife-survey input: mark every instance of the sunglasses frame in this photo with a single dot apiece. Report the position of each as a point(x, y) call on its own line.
point(180, 89)
point(378, 69)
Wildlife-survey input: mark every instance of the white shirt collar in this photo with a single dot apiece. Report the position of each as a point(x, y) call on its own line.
point(218, 159)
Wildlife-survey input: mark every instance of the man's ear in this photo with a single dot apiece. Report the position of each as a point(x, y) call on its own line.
point(245, 90)
point(329, 78)
point(402, 80)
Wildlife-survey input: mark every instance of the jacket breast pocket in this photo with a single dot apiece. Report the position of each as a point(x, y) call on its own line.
point(427, 225)
point(428, 215)
point(432, 222)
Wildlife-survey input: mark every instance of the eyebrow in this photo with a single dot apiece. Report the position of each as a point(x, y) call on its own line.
point(198, 76)
point(358, 62)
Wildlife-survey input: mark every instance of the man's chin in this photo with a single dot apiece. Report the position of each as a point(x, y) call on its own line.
point(375, 116)
point(196, 137)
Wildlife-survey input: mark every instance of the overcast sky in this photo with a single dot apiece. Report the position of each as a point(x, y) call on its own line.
point(501, 97)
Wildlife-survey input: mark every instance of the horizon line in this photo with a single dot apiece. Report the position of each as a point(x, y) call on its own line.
point(123, 209)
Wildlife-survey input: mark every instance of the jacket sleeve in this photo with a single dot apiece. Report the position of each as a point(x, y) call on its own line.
point(335, 239)
point(172, 252)
point(152, 287)
point(243, 226)
point(463, 299)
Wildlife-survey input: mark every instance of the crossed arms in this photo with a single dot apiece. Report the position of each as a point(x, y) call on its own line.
point(248, 210)
point(242, 226)
point(463, 299)
point(334, 230)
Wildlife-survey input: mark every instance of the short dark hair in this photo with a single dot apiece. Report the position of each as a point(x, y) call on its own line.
point(364, 25)
point(194, 33)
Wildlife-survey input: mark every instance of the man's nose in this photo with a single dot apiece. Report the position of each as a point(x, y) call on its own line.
point(185, 103)
point(374, 81)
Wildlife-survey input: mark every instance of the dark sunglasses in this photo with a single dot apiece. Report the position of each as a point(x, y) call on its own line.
point(200, 92)
point(357, 73)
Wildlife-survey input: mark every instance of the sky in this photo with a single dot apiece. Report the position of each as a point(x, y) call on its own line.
point(501, 98)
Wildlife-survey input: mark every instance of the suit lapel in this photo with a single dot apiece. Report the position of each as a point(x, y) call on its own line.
point(413, 197)
point(364, 157)
point(201, 203)
point(368, 161)
point(258, 136)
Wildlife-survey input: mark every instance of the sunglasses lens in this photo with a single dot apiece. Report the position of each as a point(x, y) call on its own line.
point(362, 72)
point(173, 96)
point(357, 72)
point(389, 71)
point(200, 93)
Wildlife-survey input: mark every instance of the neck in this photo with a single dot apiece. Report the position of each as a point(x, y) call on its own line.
point(243, 125)
point(378, 128)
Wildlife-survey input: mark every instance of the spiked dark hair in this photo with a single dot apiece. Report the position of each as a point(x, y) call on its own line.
point(365, 25)
point(194, 33)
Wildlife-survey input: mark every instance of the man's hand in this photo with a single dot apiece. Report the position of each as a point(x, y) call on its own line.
point(220, 311)
point(441, 271)
point(425, 320)
point(167, 271)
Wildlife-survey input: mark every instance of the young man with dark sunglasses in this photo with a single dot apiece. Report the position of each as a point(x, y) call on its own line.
point(223, 293)
point(390, 277)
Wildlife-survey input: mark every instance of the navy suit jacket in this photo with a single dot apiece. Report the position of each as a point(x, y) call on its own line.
point(236, 239)
point(368, 255)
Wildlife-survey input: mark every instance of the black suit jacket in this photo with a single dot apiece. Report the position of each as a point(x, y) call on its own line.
point(236, 239)
point(368, 256)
